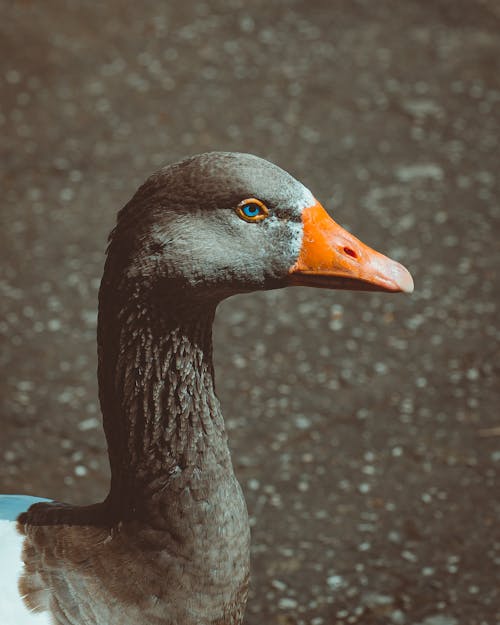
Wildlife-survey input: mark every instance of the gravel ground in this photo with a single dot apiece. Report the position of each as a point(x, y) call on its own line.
point(365, 428)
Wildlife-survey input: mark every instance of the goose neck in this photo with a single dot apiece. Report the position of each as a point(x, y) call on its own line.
point(161, 415)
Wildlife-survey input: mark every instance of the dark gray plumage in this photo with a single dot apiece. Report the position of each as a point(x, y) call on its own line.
point(170, 544)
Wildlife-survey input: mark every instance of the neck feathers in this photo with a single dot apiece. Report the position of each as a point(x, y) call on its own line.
point(156, 386)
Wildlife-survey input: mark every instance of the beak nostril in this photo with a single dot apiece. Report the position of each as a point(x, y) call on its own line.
point(350, 252)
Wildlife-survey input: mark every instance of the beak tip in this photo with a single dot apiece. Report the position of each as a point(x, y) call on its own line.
point(404, 280)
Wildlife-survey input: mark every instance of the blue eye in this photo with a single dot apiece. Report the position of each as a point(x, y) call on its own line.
point(252, 210)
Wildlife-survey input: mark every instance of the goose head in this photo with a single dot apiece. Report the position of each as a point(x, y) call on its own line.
point(223, 223)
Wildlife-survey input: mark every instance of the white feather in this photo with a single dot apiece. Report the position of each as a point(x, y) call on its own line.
point(13, 610)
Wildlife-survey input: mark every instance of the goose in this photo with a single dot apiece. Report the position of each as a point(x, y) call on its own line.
point(169, 545)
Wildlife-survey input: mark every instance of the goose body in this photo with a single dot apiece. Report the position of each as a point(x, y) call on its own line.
point(170, 544)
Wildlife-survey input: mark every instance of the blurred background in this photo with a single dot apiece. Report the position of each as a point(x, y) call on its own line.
point(365, 428)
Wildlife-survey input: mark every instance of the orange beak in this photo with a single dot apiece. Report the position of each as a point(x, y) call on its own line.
point(332, 258)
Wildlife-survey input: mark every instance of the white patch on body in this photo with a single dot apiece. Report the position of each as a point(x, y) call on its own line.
point(13, 610)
